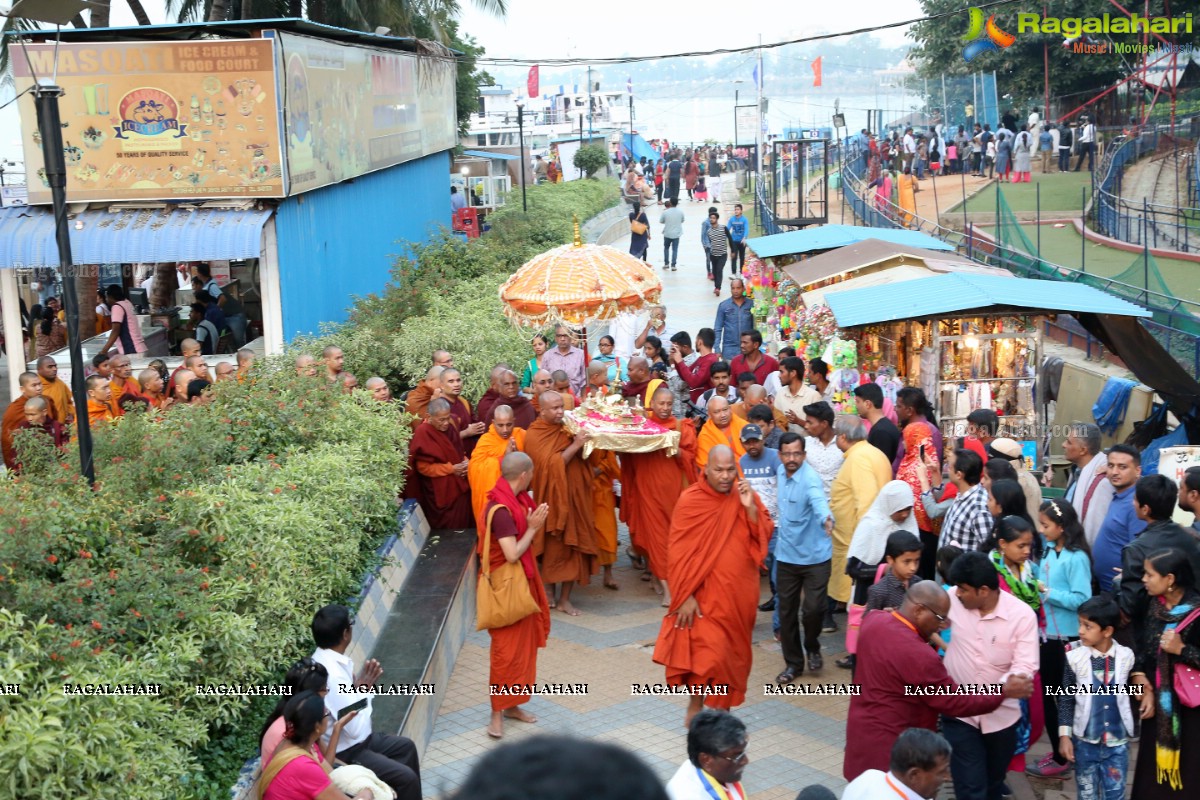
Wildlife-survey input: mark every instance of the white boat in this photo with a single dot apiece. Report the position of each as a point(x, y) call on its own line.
point(549, 118)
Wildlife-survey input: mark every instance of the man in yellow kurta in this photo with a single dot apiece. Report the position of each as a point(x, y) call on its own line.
point(722, 428)
point(864, 472)
point(502, 437)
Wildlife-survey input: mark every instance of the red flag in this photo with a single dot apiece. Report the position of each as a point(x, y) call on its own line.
point(816, 68)
point(532, 84)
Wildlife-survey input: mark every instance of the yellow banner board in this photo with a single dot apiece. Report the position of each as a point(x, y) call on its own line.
point(351, 109)
point(158, 120)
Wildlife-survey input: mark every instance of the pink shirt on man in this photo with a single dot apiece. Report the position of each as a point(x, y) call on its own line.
point(986, 649)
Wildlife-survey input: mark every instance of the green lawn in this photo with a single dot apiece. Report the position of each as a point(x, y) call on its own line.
point(1060, 195)
point(1062, 246)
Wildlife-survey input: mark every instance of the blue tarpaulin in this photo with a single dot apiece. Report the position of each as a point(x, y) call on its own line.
point(638, 146)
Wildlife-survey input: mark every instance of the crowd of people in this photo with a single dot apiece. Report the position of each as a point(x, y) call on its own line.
point(951, 568)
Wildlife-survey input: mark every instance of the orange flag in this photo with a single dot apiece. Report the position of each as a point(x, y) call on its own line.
point(816, 68)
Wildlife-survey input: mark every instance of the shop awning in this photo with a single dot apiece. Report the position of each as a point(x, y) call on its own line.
point(490, 154)
point(123, 237)
point(827, 237)
point(872, 252)
point(956, 293)
point(898, 274)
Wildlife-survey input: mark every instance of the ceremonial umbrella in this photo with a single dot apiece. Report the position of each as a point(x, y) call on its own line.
point(578, 284)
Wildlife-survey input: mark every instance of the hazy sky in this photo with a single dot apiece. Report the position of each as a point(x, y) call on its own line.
point(543, 29)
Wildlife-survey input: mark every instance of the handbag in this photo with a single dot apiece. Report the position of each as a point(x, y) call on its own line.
point(855, 613)
point(638, 227)
point(1187, 679)
point(502, 595)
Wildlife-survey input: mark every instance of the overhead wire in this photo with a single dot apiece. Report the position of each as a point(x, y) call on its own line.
point(494, 61)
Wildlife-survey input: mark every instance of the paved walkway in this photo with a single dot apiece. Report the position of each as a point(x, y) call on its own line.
point(794, 742)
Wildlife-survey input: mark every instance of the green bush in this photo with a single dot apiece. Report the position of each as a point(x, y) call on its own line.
point(590, 158)
point(212, 535)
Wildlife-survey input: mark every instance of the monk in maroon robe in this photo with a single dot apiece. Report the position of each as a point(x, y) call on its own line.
point(438, 470)
point(508, 394)
point(469, 429)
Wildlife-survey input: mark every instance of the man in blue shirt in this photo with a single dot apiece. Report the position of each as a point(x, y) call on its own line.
point(803, 557)
point(457, 200)
point(1121, 524)
point(735, 316)
point(738, 229)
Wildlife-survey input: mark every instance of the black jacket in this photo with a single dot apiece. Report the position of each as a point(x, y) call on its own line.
point(1160, 535)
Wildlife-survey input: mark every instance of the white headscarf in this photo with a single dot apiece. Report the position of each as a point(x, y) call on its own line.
point(870, 537)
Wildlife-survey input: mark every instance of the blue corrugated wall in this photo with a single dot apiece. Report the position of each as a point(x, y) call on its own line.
point(339, 242)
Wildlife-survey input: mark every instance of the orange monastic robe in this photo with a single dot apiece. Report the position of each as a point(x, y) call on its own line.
point(713, 554)
point(604, 503)
point(484, 469)
point(417, 403)
point(567, 545)
point(59, 393)
point(98, 412)
point(130, 386)
point(14, 417)
point(650, 489)
point(710, 436)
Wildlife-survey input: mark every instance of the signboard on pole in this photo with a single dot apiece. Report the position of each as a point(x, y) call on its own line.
point(745, 125)
point(1173, 462)
point(157, 120)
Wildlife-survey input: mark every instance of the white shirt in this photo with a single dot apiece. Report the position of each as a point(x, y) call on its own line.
point(785, 401)
point(686, 784)
point(873, 785)
point(1087, 133)
point(826, 459)
point(341, 672)
point(910, 144)
point(773, 384)
point(624, 330)
point(702, 401)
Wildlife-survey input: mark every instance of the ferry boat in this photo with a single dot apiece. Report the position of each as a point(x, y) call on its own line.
point(549, 118)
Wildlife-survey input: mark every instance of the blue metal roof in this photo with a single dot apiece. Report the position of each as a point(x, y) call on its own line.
point(490, 154)
point(153, 235)
point(958, 292)
point(827, 237)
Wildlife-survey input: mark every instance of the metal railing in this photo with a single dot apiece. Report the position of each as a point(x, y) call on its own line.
point(1174, 323)
point(1145, 223)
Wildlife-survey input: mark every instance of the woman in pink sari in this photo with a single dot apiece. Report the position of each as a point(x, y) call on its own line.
point(883, 192)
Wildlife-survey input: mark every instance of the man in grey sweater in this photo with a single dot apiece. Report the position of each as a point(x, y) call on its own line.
point(672, 222)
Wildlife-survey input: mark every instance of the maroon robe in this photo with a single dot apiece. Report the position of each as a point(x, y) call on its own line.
point(444, 496)
point(524, 414)
point(460, 410)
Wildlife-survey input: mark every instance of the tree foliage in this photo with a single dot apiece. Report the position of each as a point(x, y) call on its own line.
point(1020, 68)
point(590, 158)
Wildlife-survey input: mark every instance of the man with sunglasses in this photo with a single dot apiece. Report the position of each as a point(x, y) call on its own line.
point(903, 684)
point(716, 748)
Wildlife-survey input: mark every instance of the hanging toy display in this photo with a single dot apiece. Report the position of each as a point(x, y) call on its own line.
point(816, 328)
point(843, 359)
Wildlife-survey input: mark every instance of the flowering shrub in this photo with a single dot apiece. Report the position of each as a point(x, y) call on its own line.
point(212, 535)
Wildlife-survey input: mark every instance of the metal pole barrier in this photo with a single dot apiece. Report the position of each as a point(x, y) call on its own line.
point(1038, 191)
point(1083, 229)
point(1145, 247)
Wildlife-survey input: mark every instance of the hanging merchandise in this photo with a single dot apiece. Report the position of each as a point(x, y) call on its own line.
point(842, 357)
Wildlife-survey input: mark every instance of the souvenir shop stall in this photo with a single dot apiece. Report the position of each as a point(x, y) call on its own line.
point(968, 341)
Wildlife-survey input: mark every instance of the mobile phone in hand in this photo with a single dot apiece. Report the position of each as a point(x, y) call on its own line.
point(359, 706)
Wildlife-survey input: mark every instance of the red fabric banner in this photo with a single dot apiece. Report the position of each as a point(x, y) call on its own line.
point(816, 68)
point(532, 84)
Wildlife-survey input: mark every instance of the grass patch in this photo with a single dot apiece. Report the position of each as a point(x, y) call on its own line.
point(1060, 195)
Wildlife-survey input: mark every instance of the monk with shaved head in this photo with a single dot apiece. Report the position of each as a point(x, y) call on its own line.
point(335, 361)
point(542, 383)
point(511, 524)
point(62, 403)
point(245, 362)
point(469, 428)
point(420, 396)
point(37, 417)
point(501, 438)
point(492, 396)
point(510, 394)
point(306, 366)
point(716, 544)
point(182, 378)
point(99, 395)
point(14, 415)
point(189, 347)
point(442, 358)
point(154, 390)
point(438, 470)
point(379, 389)
point(722, 428)
point(641, 384)
point(563, 480)
point(122, 382)
point(652, 484)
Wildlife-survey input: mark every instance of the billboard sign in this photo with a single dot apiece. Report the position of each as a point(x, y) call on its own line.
point(746, 125)
point(352, 109)
point(157, 120)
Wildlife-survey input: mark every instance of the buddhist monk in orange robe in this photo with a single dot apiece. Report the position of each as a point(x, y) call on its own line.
point(640, 387)
point(419, 398)
point(718, 540)
point(562, 480)
point(153, 389)
point(722, 427)
point(14, 415)
point(56, 391)
point(605, 469)
point(99, 395)
point(438, 470)
point(652, 485)
point(542, 383)
point(122, 382)
point(502, 438)
point(515, 523)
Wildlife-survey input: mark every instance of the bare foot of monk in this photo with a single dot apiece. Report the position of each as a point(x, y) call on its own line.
point(568, 609)
point(495, 728)
point(564, 600)
point(609, 583)
point(695, 703)
point(520, 715)
point(655, 584)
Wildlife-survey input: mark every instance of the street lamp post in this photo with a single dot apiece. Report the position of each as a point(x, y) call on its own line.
point(521, 141)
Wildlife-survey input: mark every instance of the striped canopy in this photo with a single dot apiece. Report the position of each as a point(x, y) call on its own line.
point(578, 284)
